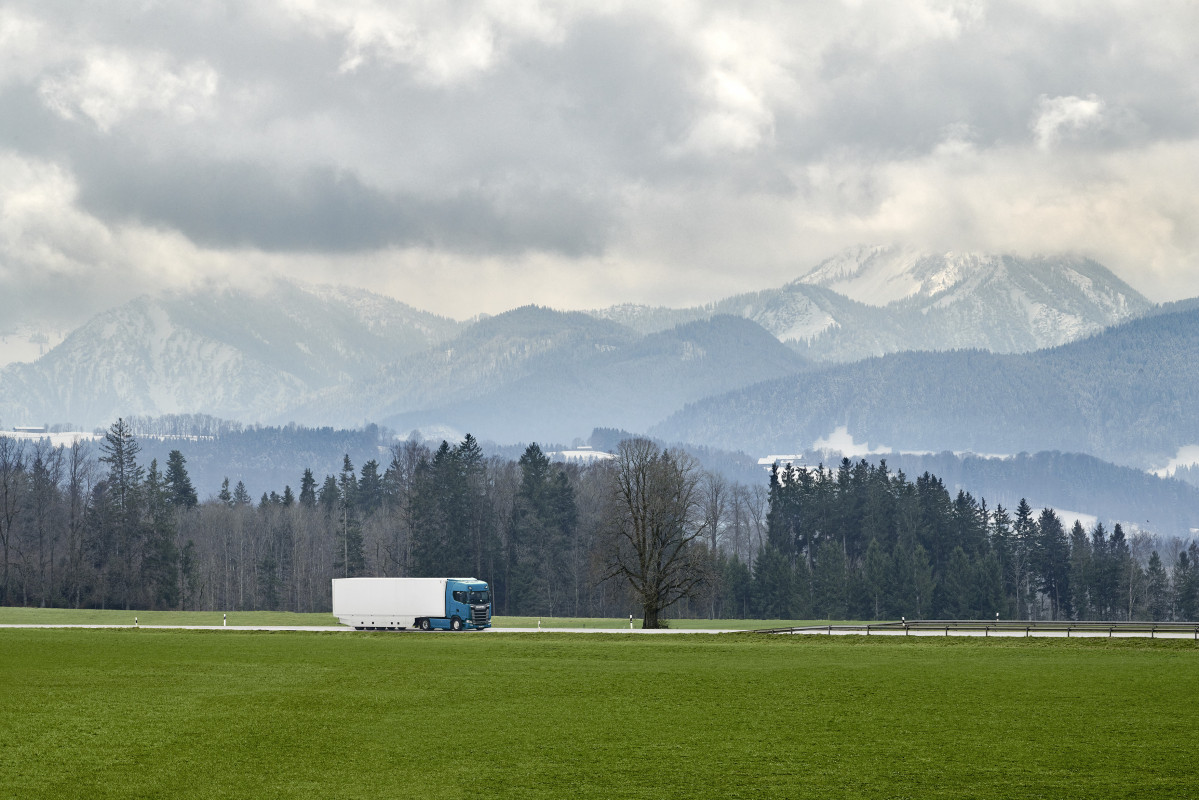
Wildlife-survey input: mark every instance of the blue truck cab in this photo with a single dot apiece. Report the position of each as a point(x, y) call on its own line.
point(467, 607)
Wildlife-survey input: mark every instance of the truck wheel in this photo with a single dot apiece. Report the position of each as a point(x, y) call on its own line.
point(424, 624)
point(455, 624)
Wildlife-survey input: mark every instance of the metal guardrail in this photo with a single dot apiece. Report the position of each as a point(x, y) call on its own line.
point(1002, 628)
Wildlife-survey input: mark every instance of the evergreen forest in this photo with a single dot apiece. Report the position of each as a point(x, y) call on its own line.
point(92, 525)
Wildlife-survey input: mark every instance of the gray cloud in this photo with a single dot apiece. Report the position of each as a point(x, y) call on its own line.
point(653, 153)
point(325, 209)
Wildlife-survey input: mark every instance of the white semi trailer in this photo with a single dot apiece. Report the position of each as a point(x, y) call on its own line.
point(399, 603)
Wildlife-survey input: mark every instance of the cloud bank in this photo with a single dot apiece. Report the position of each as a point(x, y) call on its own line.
point(470, 157)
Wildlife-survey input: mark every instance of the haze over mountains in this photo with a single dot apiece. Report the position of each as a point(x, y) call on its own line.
point(754, 372)
point(1127, 395)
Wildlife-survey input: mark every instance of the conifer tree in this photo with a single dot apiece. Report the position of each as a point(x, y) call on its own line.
point(351, 561)
point(1002, 545)
point(123, 507)
point(1157, 589)
point(178, 484)
point(1103, 580)
point(307, 490)
point(160, 573)
point(772, 594)
point(1053, 563)
point(370, 490)
point(877, 570)
point(1126, 574)
point(1023, 558)
point(543, 521)
point(328, 496)
point(1080, 571)
point(1186, 583)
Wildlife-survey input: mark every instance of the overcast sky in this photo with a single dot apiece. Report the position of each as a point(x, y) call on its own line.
point(473, 157)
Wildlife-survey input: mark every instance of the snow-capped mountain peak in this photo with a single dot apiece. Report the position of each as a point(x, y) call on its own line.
point(874, 275)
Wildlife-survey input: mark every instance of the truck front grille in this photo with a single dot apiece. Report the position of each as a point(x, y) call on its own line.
point(478, 615)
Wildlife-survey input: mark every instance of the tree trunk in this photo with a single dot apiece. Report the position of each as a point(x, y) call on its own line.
point(650, 620)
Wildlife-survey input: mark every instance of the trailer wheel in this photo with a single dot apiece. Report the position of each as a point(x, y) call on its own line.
point(424, 624)
point(455, 624)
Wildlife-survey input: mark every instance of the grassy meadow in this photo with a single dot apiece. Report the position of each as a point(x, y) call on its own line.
point(94, 616)
point(69, 616)
point(164, 713)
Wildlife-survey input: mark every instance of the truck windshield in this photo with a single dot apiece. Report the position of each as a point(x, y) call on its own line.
point(480, 597)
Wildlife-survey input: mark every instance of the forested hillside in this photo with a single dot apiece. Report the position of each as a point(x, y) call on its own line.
point(535, 373)
point(1071, 481)
point(1126, 395)
point(628, 385)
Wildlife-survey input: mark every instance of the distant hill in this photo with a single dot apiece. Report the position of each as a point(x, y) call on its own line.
point(1067, 481)
point(492, 353)
point(629, 384)
point(227, 353)
point(1126, 395)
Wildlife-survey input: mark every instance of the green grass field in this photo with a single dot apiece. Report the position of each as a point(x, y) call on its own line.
point(158, 713)
point(88, 616)
point(66, 616)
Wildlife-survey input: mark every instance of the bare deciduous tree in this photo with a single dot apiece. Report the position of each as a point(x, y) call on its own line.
point(657, 524)
point(12, 480)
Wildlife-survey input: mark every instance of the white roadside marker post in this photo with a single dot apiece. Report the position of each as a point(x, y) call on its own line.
point(224, 619)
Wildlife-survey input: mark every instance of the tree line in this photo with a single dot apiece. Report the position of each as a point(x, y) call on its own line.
point(860, 542)
point(646, 531)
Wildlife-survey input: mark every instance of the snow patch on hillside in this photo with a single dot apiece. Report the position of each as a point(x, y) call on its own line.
point(1186, 457)
point(24, 344)
point(60, 439)
point(876, 276)
point(1068, 518)
point(842, 441)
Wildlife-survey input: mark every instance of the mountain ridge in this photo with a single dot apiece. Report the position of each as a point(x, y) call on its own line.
point(1126, 394)
point(870, 301)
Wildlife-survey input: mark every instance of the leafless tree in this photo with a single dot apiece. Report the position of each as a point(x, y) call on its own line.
point(43, 531)
point(757, 504)
point(657, 523)
point(12, 481)
point(81, 473)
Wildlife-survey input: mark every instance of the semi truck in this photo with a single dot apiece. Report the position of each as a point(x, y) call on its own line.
point(453, 604)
